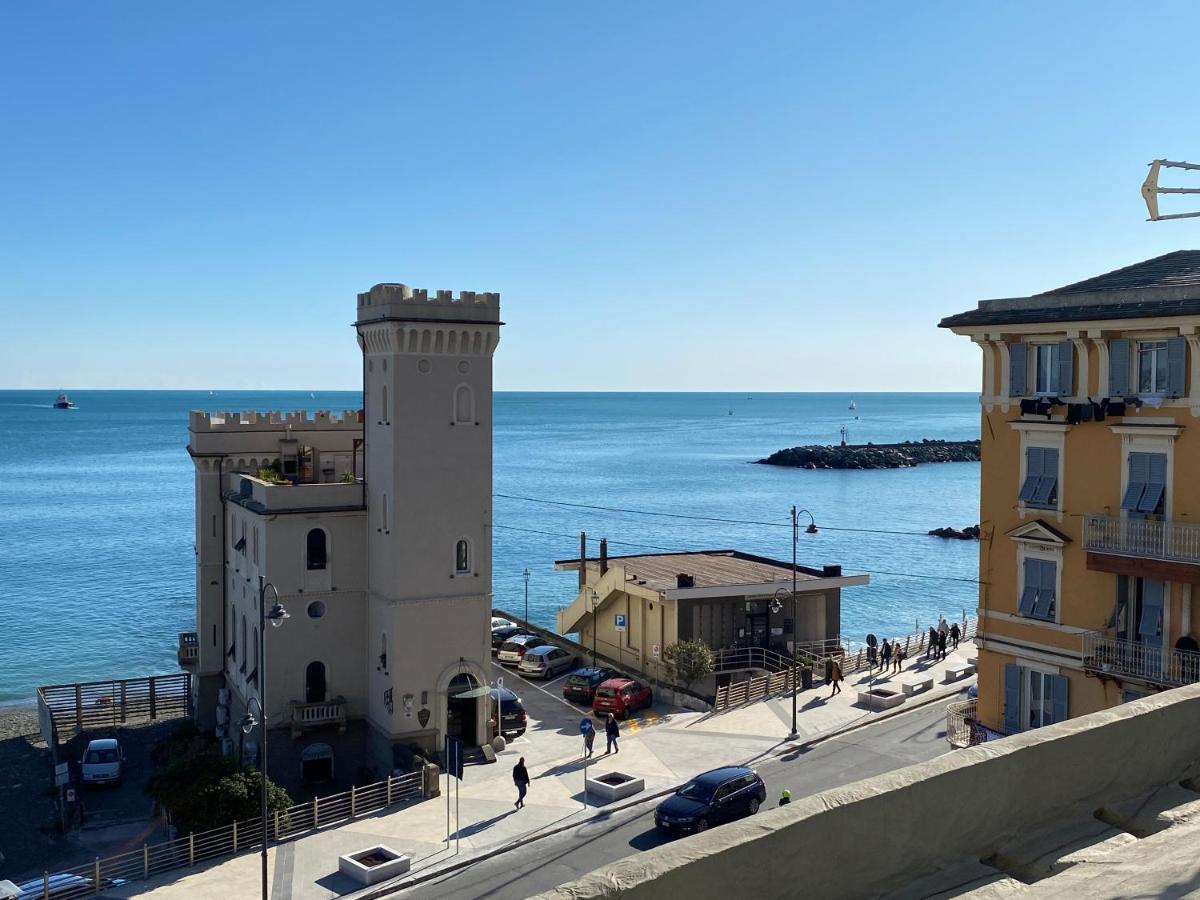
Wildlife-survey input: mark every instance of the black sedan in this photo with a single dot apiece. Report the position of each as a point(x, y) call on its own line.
point(711, 799)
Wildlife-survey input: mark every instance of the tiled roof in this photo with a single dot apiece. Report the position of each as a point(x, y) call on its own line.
point(1167, 285)
point(1178, 269)
point(709, 568)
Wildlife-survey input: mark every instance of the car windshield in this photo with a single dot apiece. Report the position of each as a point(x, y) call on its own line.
point(696, 790)
point(101, 756)
point(606, 692)
point(580, 679)
point(511, 645)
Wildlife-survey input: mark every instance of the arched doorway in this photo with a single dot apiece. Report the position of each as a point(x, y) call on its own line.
point(314, 682)
point(316, 763)
point(461, 711)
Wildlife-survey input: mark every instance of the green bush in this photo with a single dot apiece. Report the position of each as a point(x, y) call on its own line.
point(689, 661)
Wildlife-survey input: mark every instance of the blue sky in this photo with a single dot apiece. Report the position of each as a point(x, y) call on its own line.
point(669, 196)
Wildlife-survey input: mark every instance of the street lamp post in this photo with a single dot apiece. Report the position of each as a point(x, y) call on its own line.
point(249, 721)
point(593, 599)
point(526, 574)
point(811, 529)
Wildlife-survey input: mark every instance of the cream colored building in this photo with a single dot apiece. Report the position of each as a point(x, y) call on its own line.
point(375, 529)
point(725, 598)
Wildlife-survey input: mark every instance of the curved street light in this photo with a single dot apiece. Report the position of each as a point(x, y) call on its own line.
point(811, 528)
point(276, 617)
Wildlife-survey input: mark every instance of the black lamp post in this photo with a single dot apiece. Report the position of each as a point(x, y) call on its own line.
point(811, 529)
point(276, 616)
point(593, 599)
point(526, 574)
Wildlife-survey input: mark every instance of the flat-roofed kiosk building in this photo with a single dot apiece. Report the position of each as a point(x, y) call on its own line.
point(374, 525)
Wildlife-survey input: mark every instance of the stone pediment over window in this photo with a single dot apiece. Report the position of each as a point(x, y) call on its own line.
point(1038, 531)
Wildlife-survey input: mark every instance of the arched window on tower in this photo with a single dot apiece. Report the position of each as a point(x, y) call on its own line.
point(383, 652)
point(462, 557)
point(385, 414)
point(384, 514)
point(316, 553)
point(464, 405)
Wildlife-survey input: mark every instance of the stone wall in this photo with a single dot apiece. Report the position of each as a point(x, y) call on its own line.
point(871, 836)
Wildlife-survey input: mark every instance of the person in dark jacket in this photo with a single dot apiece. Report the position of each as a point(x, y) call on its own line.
point(931, 650)
point(955, 634)
point(941, 645)
point(521, 780)
point(885, 655)
point(612, 731)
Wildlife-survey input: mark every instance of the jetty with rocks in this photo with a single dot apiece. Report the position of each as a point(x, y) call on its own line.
point(875, 456)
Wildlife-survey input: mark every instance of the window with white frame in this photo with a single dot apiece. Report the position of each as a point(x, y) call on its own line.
point(1033, 698)
point(1153, 367)
point(1039, 588)
point(1040, 487)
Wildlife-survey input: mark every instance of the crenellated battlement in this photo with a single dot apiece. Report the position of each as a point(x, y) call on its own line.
point(322, 420)
point(399, 301)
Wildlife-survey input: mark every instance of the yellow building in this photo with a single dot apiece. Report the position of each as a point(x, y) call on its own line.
point(631, 607)
point(1089, 492)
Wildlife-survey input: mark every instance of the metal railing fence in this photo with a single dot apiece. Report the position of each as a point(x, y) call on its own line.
point(1104, 655)
point(1177, 541)
point(188, 850)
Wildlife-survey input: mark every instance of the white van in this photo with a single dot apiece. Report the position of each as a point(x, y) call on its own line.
point(101, 763)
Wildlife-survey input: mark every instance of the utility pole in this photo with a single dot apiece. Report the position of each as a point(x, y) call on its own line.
point(526, 574)
point(795, 619)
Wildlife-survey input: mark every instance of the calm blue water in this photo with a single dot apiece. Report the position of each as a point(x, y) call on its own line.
point(96, 505)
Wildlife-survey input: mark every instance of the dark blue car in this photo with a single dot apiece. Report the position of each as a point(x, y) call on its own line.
point(710, 799)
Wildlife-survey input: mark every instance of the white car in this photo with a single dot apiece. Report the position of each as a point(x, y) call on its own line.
point(101, 763)
point(498, 622)
point(546, 662)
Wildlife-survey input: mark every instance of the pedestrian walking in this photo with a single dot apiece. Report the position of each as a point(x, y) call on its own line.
point(898, 655)
point(589, 736)
point(786, 797)
point(521, 780)
point(941, 645)
point(885, 652)
point(931, 650)
point(955, 634)
point(612, 731)
point(835, 678)
point(943, 628)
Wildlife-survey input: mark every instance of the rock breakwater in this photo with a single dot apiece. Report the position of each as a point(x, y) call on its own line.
point(874, 456)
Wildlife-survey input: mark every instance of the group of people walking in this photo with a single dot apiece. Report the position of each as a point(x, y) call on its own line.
point(890, 655)
point(939, 636)
point(612, 733)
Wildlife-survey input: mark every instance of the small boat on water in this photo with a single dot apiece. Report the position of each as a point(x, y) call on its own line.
point(852, 406)
point(62, 401)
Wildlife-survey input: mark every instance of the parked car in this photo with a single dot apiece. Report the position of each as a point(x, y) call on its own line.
point(712, 798)
point(621, 696)
point(514, 649)
point(546, 662)
point(581, 686)
point(498, 622)
point(513, 719)
point(504, 633)
point(101, 763)
point(63, 884)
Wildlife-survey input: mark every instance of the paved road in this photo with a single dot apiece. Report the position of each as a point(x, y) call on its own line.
point(892, 744)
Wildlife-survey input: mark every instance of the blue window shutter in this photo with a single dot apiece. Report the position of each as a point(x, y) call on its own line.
point(1058, 697)
point(1012, 698)
point(1033, 474)
point(1018, 366)
point(1177, 366)
point(1047, 588)
point(1139, 475)
point(1029, 589)
point(1118, 367)
point(1153, 595)
point(1156, 482)
point(1064, 357)
point(1045, 494)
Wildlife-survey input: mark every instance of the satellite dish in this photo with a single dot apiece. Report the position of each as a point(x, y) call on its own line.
point(1151, 190)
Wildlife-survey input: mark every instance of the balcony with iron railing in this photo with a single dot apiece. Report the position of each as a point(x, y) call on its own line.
point(318, 715)
point(1107, 656)
point(188, 653)
point(1142, 538)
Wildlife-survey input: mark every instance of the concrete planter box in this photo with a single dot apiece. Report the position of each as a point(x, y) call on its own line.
point(880, 698)
point(373, 865)
point(614, 786)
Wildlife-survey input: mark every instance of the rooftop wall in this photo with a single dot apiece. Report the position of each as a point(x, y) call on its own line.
point(200, 421)
point(877, 835)
point(399, 301)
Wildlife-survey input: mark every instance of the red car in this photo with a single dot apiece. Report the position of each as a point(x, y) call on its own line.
point(621, 696)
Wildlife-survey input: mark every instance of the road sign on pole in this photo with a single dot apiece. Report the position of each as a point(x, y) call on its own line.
point(619, 621)
point(655, 651)
point(454, 757)
point(62, 774)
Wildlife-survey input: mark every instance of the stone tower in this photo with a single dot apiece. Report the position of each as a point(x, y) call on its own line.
point(427, 385)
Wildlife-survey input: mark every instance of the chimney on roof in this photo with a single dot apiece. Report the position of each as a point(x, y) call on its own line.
point(582, 559)
point(831, 571)
point(684, 580)
point(603, 556)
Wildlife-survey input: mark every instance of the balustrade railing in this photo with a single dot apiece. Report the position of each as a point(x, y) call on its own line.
point(1175, 541)
point(1105, 655)
point(189, 648)
point(314, 715)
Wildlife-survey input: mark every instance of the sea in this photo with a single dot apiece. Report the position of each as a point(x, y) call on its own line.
point(97, 530)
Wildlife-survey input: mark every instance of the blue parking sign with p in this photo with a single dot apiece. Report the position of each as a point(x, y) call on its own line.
point(619, 621)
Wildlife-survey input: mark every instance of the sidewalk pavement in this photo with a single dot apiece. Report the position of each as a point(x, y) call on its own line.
point(665, 747)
